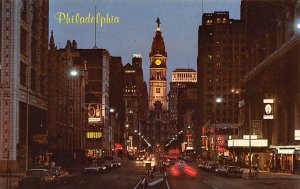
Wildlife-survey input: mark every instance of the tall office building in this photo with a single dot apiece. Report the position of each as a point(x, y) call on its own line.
point(270, 108)
point(135, 97)
point(220, 49)
point(23, 83)
point(180, 78)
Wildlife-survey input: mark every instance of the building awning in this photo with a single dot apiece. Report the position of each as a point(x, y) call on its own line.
point(118, 147)
point(245, 143)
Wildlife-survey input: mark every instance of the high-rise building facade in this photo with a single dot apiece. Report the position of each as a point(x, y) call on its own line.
point(271, 88)
point(23, 83)
point(220, 51)
point(136, 106)
point(67, 112)
point(180, 78)
point(117, 104)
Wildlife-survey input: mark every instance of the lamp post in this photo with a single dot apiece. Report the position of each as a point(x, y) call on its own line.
point(218, 101)
point(111, 111)
point(250, 132)
point(126, 137)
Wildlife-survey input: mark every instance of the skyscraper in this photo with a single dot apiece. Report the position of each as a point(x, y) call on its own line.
point(220, 44)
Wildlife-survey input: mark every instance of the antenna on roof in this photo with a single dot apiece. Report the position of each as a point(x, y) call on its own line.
point(95, 30)
point(202, 7)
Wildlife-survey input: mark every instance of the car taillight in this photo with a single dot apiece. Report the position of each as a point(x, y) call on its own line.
point(190, 171)
point(174, 171)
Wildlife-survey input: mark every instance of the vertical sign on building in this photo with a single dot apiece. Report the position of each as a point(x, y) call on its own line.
point(269, 112)
point(257, 128)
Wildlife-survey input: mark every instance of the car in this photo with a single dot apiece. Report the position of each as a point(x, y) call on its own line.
point(188, 159)
point(230, 171)
point(221, 170)
point(116, 163)
point(60, 176)
point(108, 164)
point(201, 165)
point(140, 158)
point(95, 168)
point(36, 179)
point(212, 166)
point(181, 169)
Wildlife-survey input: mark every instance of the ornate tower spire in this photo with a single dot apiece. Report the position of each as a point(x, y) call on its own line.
point(158, 68)
point(52, 44)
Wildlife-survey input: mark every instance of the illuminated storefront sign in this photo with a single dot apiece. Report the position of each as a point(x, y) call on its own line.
point(268, 108)
point(245, 143)
point(94, 113)
point(286, 151)
point(297, 135)
point(93, 135)
point(40, 138)
point(257, 128)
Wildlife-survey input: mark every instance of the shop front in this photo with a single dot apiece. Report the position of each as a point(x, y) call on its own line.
point(286, 159)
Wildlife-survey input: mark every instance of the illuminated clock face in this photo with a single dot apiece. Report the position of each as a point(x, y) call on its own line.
point(158, 62)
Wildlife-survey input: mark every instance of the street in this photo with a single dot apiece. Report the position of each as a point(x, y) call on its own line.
point(126, 176)
point(130, 173)
point(205, 179)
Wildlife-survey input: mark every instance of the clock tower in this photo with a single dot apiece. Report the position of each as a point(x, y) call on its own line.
point(158, 69)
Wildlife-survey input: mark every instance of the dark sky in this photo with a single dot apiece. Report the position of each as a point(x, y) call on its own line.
point(180, 20)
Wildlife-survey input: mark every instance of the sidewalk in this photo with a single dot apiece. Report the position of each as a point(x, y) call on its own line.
point(13, 180)
point(271, 175)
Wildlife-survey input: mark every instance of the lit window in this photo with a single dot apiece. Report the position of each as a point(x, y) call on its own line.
point(157, 90)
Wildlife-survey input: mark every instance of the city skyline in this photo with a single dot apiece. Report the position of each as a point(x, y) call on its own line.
point(134, 32)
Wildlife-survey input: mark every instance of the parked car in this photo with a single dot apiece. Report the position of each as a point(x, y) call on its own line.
point(95, 168)
point(187, 159)
point(36, 179)
point(212, 166)
point(60, 176)
point(108, 164)
point(116, 163)
point(230, 171)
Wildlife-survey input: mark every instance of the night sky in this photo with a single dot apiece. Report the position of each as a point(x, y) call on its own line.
point(180, 20)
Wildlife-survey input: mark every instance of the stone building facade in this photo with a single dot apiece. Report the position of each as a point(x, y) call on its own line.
point(23, 83)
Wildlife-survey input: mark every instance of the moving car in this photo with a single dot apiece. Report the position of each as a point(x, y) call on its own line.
point(36, 179)
point(181, 169)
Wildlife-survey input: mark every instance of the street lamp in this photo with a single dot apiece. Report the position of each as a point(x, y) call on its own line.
point(73, 72)
point(111, 111)
point(218, 101)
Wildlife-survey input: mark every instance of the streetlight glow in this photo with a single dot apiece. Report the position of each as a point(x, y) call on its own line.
point(219, 100)
point(74, 72)
point(111, 110)
point(298, 26)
